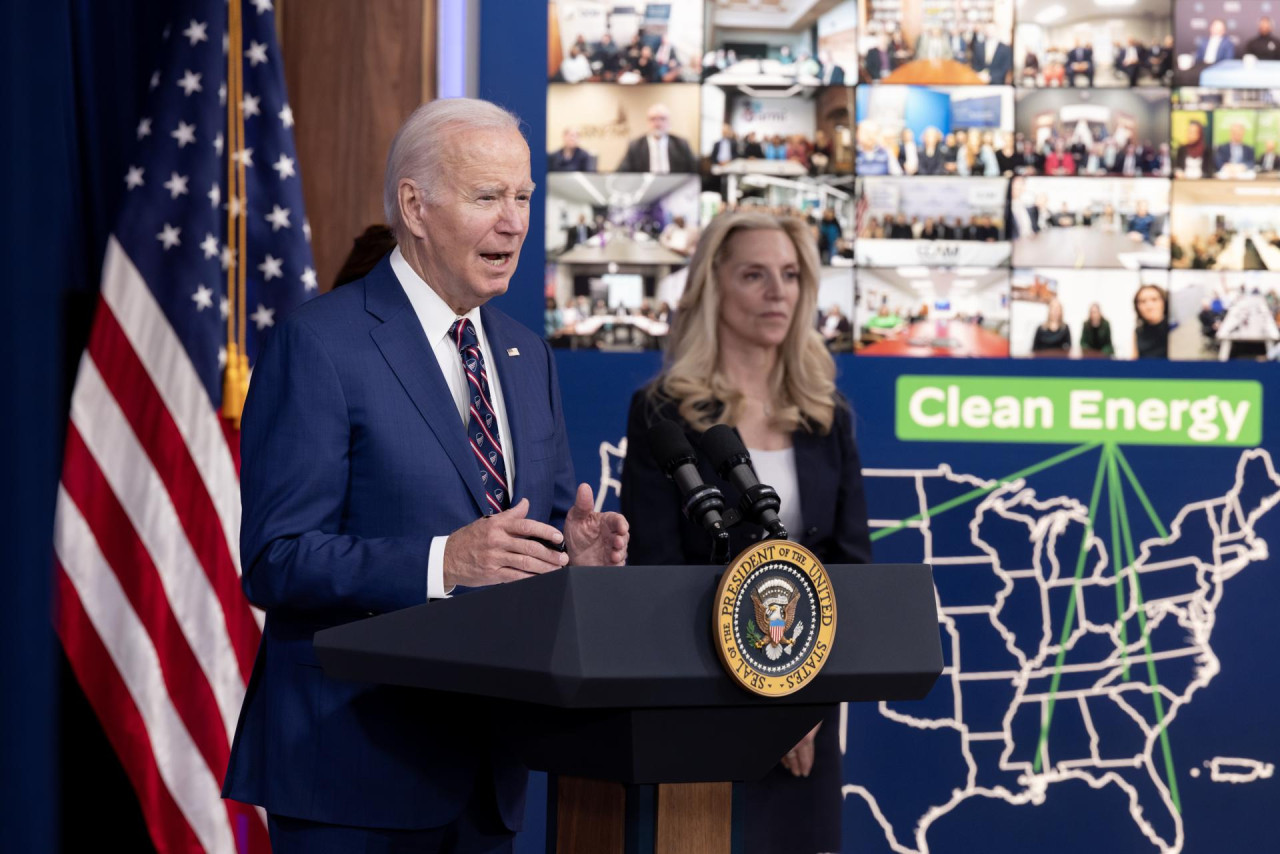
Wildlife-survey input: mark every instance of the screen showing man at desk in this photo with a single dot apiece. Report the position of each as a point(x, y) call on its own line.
point(932, 221)
point(956, 42)
point(613, 244)
point(1094, 132)
point(938, 130)
point(1094, 43)
point(1224, 316)
point(1226, 44)
point(601, 41)
point(624, 128)
point(922, 311)
point(746, 130)
point(1226, 225)
point(1226, 133)
point(1087, 222)
point(1090, 314)
point(804, 42)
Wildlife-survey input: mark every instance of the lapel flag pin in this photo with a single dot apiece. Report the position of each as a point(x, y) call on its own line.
point(513, 351)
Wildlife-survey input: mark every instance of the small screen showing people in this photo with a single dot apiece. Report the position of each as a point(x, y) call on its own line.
point(958, 42)
point(1089, 314)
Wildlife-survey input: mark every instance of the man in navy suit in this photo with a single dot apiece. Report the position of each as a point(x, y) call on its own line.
point(1216, 47)
point(1080, 61)
point(402, 438)
point(1233, 155)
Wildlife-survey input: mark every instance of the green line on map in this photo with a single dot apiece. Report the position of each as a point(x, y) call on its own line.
point(1142, 495)
point(1156, 699)
point(1071, 608)
point(1117, 558)
point(983, 490)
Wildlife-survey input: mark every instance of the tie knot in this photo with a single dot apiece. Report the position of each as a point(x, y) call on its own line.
point(463, 332)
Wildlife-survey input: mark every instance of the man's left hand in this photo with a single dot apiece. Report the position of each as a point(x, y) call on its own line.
point(592, 538)
point(799, 759)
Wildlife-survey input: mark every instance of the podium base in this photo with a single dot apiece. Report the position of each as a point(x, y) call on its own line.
point(598, 817)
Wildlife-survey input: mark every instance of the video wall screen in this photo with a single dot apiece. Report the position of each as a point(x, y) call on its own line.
point(981, 178)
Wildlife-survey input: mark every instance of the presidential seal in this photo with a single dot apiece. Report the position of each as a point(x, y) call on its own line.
point(775, 618)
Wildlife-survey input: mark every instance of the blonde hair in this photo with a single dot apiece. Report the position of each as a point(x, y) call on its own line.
point(802, 382)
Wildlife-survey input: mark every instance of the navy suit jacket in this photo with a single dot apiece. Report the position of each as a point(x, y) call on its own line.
point(1001, 64)
point(353, 459)
point(832, 503)
point(1222, 155)
point(1226, 50)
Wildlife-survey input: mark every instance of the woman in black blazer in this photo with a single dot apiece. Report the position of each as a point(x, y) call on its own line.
point(744, 352)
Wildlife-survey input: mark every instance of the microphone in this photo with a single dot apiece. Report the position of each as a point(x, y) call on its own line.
point(700, 503)
point(731, 461)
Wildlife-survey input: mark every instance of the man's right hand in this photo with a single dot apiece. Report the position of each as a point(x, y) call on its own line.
point(499, 548)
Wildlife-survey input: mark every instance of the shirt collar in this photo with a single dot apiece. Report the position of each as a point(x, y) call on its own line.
point(433, 312)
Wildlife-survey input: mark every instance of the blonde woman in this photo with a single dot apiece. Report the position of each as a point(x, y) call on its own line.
point(744, 351)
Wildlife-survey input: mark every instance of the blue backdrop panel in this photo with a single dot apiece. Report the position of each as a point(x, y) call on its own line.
point(957, 772)
point(926, 108)
point(977, 112)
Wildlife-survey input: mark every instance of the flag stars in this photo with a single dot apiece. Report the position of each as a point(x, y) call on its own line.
point(176, 185)
point(256, 54)
point(306, 229)
point(184, 134)
point(155, 80)
point(144, 128)
point(190, 83)
point(284, 166)
point(197, 32)
point(245, 156)
point(270, 268)
point(225, 258)
point(215, 196)
point(249, 103)
point(210, 246)
point(308, 278)
point(217, 144)
point(222, 95)
point(262, 5)
point(203, 298)
point(222, 351)
point(279, 218)
point(263, 317)
point(169, 236)
point(133, 178)
point(233, 206)
point(286, 116)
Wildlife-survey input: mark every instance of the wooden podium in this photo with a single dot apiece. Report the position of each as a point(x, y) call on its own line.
point(607, 678)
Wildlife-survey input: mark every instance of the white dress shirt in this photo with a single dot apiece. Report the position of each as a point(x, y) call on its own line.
point(659, 163)
point(1211, 48)
point(778, 469)
point(437, 318)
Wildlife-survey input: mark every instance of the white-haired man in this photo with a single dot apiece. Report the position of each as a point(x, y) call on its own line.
point(402, 437)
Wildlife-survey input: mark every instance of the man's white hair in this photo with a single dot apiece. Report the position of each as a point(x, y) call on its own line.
point(416, 150)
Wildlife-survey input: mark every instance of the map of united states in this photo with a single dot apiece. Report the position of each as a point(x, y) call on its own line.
point(1102, 641)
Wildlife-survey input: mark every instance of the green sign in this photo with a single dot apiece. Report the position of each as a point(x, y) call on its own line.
point(1074, 410)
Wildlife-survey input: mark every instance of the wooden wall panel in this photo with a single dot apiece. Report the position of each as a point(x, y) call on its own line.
point(354, 72)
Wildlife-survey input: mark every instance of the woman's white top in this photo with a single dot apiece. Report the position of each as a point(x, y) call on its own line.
point(778, 469)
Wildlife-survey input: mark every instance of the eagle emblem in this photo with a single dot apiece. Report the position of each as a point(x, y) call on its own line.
point(775, 606)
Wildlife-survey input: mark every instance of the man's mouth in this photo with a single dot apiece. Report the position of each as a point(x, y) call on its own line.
point(496, 259)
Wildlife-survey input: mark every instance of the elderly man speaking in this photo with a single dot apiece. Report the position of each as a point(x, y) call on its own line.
point(402, 438)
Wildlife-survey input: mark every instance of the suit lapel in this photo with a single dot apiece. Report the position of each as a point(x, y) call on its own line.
point(404, 346)
point(513, 375)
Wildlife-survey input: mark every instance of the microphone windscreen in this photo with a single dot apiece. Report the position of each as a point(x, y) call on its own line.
point(669, 445)
point(721, 444)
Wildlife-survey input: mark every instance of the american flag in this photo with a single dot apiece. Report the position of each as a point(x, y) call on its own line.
point(149, 605)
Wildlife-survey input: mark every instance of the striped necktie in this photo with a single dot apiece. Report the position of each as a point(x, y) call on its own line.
point(482, 422)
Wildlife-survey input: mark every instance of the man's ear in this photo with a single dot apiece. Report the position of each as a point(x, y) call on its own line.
point(413, 207)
